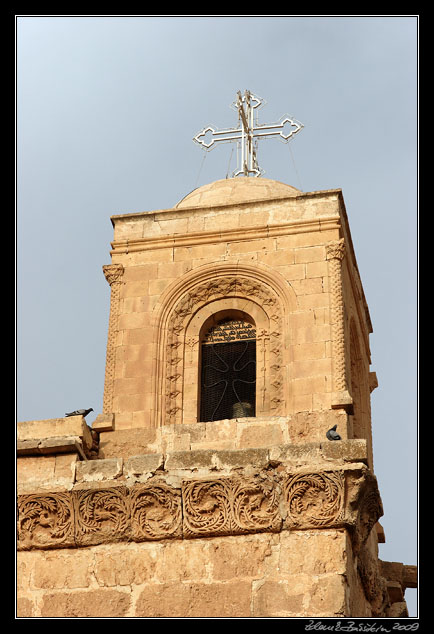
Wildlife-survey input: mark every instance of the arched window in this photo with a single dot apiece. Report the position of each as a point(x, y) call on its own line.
point(228, 370)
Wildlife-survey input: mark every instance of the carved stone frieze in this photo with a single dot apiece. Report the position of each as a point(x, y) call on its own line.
point(269, 501)
point(230, 506)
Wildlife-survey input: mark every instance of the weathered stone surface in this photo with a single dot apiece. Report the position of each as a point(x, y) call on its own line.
point(278, 598)
point(295, 454)
point(195, 600)
point(126, 442)
point(198, 459)
point(53, 570)
point(45, 521)
point(353, 450)
point(103, 422)
point(90, 604)
point(70, 427)
point(25, 608)
point(97, 470)
point(144, 464)
point(255, 458)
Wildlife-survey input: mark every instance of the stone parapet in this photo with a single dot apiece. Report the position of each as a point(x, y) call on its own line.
point(230, 434)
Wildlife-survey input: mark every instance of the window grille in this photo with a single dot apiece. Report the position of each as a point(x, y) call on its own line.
point(228, 374)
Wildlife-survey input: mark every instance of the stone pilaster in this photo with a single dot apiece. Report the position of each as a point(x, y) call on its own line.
point(335, 253)
point(113, 274)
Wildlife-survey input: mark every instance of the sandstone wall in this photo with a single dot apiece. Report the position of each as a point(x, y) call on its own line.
point(263, 575)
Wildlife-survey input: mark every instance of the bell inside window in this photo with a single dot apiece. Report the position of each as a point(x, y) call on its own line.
point(228, 370)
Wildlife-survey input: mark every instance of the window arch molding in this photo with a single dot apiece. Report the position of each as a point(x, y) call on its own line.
point(188, 303)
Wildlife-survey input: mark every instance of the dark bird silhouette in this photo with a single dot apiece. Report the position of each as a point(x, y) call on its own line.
point(80, 412)
point(332, 434)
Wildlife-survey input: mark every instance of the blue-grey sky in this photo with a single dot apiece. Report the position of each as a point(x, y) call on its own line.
point(106, 111)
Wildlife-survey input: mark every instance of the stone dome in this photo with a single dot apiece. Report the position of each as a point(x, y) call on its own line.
point(231, 191)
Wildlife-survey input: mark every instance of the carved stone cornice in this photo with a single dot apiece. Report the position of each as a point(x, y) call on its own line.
point(223, 235)
point(217, 505)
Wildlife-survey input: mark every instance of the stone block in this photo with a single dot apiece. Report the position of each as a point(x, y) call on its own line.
point(103, 422)
point(50, 428)
point(277, 598)
point(143, 464)
point(97, 470)
point(296, 454)
point(127, 564)
point(59, 570)
point(195, 600)
point(353, 450)
point(126, 442)
point(195, 459)
point(394, 590)
point(310, 254)
point(409, 576)
point(27, 447)
point(88, 604)
point(252, 435)
point(35, 469)
point(256, 458)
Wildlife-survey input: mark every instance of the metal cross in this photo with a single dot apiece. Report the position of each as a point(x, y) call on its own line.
point(247, 133)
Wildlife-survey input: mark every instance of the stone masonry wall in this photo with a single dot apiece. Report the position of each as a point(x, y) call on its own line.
point(262, 575)
point(153, 251)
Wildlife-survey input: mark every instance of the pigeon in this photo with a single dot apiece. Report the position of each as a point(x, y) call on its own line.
point(80, 412)
point(332, 434)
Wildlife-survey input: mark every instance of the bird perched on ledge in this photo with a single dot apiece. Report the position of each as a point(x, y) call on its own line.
point(332, 434)
point(80, 412)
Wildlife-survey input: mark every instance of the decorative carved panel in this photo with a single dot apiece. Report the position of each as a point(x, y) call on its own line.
point(315, 499)
point(102, 515)
point(230, 506)
point(45, 521)
point(155, 512)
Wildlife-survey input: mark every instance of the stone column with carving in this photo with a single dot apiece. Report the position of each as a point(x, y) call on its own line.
point(113, 274)
point(335, 253)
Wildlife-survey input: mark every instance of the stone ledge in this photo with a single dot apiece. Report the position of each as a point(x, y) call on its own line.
point(354, 450)
point(48, 429)
point(182, 463)
point(56, 445)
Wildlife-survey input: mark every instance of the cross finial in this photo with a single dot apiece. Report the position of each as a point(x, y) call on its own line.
point(247, 133)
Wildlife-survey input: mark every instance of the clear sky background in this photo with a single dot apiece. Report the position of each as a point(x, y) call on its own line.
point(106, 111)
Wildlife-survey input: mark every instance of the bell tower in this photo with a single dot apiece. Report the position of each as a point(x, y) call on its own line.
point(238, 335)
